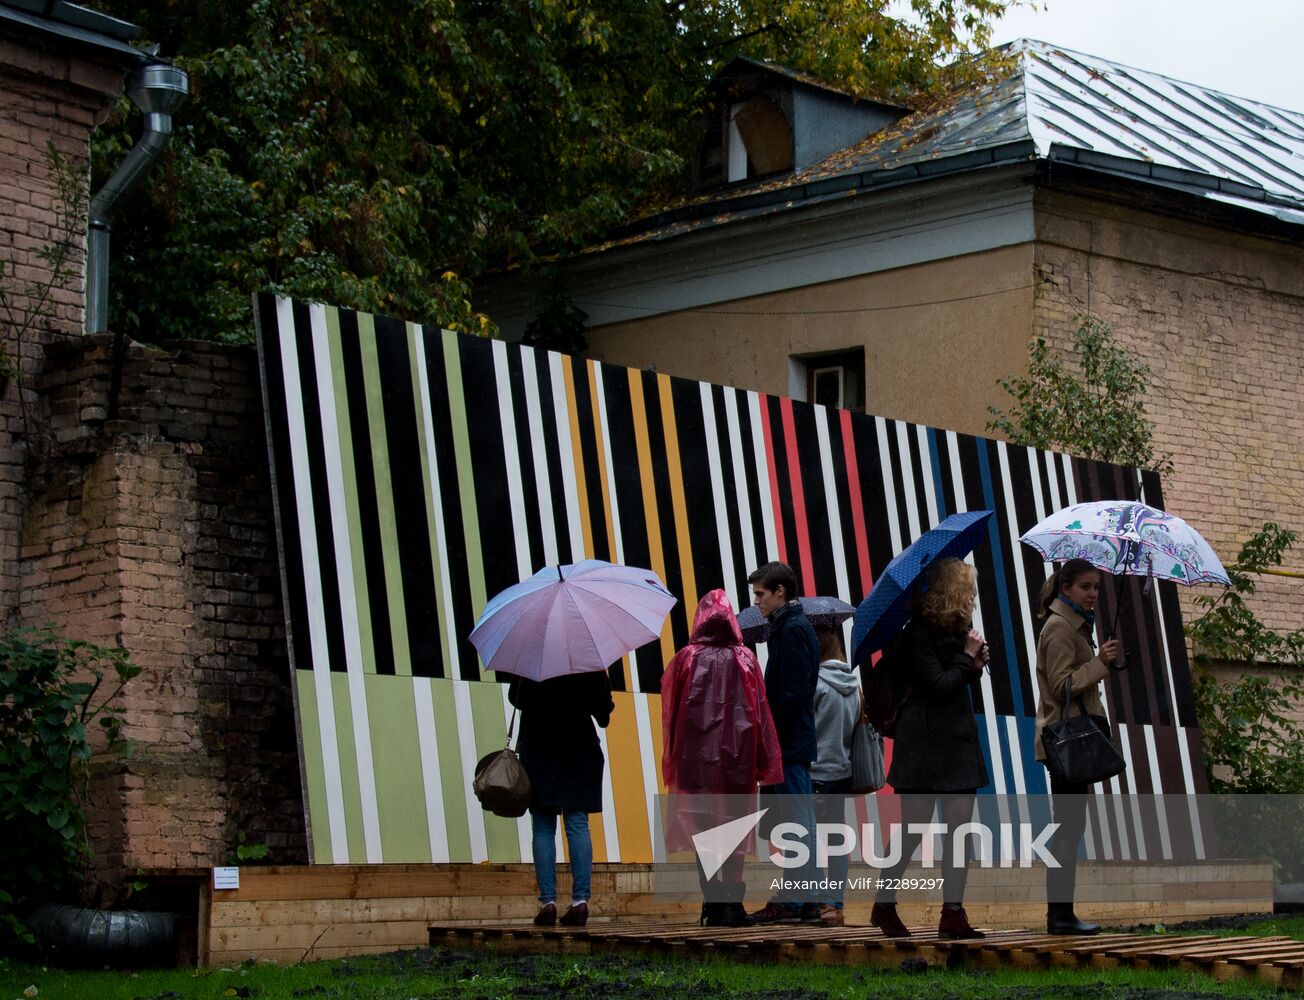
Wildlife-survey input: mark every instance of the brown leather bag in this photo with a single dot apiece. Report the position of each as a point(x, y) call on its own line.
point(501, 784)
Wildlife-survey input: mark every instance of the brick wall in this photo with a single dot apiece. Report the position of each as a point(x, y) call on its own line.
point(155, 530)
point(45, 100)
point(1219, 318)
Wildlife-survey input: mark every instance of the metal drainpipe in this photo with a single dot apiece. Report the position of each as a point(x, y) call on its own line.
point(157, 90)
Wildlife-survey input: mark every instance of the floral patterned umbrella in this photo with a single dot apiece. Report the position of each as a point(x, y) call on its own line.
point(1128, 538)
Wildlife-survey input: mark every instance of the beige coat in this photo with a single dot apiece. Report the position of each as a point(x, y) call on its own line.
point(1064, 650)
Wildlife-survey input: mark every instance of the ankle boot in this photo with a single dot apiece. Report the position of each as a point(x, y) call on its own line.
point(712, 914)
point(884, 917)
point(1060, 919)
point(954, 925)
point(734, 915)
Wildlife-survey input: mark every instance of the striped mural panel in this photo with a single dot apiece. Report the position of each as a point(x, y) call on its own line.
point(417, 472)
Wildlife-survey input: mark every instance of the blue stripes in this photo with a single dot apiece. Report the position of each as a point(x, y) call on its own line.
point(1034, 774)
point(998, 567)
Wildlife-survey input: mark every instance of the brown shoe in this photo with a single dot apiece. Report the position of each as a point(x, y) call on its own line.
point(831, 916)
point(777, 913)
point(576, 915)
point(954, 925)
point(547, 915)
point(884, 917)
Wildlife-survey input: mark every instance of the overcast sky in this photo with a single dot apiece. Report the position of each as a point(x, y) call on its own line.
point(1246, 48)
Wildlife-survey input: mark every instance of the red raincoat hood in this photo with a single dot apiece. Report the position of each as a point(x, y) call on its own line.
point(715, 623)
point(718, 733)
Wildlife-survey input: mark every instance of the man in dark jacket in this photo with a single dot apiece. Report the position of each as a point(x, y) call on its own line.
point(792, 672)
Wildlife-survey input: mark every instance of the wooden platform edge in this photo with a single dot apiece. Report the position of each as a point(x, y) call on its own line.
point(1274, 961)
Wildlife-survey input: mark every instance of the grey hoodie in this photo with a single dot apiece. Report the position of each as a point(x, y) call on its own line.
point(837, 707)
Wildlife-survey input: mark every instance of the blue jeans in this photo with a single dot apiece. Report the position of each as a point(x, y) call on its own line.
point(830, 807)
point(544, 822)
point(795, 805)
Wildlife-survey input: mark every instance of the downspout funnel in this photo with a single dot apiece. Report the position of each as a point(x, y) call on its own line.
point(157, 90)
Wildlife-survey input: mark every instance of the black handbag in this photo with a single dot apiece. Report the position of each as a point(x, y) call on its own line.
point(500, 783)
point(867, 774)
point(1079, 750)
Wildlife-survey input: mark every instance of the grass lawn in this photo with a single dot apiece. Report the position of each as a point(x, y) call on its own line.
point(444, 973)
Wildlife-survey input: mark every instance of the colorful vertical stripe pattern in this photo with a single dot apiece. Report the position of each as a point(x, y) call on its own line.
point(417, 472)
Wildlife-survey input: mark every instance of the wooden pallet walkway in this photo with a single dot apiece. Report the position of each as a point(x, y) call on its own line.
point(1278, 961)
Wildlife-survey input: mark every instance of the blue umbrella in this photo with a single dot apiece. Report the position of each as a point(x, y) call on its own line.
point(830, 611)
point(883, 613)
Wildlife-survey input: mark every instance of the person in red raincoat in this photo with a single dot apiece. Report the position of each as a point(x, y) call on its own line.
point(719, 739)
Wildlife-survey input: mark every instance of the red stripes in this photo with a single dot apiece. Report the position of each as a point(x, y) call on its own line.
point(798, 497)
point(857, 504)
point(764, 410)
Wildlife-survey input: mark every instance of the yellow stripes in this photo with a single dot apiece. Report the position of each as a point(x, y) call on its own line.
point(677, 502)
point(627, 780)
point(650, 510)
point(607, 505)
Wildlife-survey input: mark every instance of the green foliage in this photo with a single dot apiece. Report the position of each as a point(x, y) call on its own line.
point(1091, 404)
point(1250, 737)
point(444, 972)
point(246, 852)
point(385, 155)
point(52, 690)
point(559, 326)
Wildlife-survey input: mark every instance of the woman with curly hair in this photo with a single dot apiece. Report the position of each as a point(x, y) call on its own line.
point(937, 759)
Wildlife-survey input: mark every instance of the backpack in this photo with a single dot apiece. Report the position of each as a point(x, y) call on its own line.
point(885, 691)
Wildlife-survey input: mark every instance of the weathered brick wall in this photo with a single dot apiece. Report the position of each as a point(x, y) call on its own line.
point(1219, 318)
point(46, 100)
point(155, 530)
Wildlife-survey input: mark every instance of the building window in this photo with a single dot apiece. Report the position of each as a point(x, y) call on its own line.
point(836, 380)
point(760, 140)
point(748, 139)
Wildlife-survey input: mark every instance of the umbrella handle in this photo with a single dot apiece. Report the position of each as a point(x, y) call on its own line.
point(1121, 662)
point(1118, 611)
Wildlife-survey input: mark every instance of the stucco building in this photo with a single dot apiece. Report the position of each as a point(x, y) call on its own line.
point(906, 271)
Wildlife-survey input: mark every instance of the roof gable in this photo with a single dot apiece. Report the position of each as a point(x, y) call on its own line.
point(764, 119)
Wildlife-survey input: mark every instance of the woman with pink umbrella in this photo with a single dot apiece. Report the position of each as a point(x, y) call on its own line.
point(563, 758)
point(557, 632)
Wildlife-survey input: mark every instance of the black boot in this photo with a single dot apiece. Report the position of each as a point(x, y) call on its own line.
point(735, 916)
point(724, 915)
point(1060, 919)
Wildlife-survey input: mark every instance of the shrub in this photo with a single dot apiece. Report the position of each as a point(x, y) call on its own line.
point(52, 689)
point(1250, 741)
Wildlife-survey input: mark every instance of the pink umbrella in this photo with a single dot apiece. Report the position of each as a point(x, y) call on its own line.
point(571, 619)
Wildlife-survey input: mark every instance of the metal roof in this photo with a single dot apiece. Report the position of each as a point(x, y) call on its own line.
point(1047, 102)
point(743, 64)
point(71, 24)
point(1185, 134)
